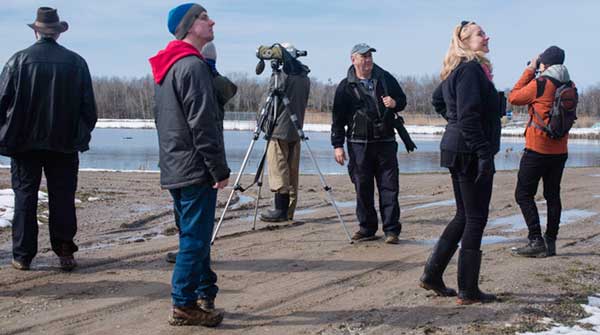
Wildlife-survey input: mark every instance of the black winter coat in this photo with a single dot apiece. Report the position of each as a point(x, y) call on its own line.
point(354, 126)
point(46, 101)
point(188, 120)
point(468, 100)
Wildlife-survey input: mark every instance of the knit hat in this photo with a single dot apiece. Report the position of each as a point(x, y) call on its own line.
point(553, 55)
point(182, 17)
point(209, 51)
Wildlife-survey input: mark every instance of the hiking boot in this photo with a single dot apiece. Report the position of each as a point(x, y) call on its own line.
point(280, 213)
point(361, 237)
point(207, 304)
point(392, 238)
point(20, 265)
point(434, 269)
point(550, 246)
point(171, 257)
point(534, 248)
point(469, 264)
point(194, 315)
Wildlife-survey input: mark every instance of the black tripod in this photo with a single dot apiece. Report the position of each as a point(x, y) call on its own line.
point(266, 122)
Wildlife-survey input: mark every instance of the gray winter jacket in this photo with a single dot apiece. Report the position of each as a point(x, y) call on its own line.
point(191, 149)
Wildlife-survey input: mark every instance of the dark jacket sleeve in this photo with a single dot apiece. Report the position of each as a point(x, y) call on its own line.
point(339, 115)
point(200, 106)
point(395, 91)
point(89, 113)
point(7, 92)
point(469, 107)
point(437, 100)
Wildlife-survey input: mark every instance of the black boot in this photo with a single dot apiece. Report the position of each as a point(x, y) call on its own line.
point(469, 264)
point(280, 213)
point(436, 265)
point(534, 248)
point(550, 246)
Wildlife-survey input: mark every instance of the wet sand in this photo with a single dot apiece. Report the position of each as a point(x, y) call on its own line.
point(301, 277)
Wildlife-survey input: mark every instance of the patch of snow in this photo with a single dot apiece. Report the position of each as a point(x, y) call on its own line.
point(450, 202)
point(317, 127)
point(243, 199)
point(592, 307)
point(7, 206)
point(486, 240)
point(516, 222)
point(126, 123)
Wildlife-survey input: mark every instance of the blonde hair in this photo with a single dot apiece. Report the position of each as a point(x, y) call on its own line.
point(459, 50)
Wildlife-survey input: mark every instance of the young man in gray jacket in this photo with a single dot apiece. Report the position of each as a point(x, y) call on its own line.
point(191, 159)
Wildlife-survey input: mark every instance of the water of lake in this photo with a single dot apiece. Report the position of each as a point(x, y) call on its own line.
point(137, 149)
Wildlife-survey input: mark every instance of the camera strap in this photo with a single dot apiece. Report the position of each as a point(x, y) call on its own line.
point(360, 109)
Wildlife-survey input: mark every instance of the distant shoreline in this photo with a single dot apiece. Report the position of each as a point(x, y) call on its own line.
point(576, 133)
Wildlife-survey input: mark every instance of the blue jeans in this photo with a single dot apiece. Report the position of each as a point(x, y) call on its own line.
point(192, 275)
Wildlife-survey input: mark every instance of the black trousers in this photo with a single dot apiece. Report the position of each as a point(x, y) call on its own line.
point(369, 162)
point(472, 207)
point(533, 167)
point(61, 176)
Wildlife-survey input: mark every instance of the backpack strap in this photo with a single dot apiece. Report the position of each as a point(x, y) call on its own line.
point(541, 87)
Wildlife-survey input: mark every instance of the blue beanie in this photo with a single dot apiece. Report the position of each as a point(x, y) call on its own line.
point(178, 19)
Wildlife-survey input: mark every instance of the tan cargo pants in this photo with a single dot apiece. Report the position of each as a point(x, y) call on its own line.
point(283, 164)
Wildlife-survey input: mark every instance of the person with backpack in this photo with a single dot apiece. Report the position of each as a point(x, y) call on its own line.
point(551, 99)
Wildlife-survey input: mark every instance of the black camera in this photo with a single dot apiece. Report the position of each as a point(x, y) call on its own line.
point(537, 63)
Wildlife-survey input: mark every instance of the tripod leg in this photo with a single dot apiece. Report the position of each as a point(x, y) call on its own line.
point(326, 188)
point(257, 202)
point(236, 186)
point(212, 241)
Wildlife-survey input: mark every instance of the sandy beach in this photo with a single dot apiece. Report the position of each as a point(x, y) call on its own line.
point(301, 277)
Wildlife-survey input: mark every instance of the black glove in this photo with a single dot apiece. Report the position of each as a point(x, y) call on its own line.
point(485, 168)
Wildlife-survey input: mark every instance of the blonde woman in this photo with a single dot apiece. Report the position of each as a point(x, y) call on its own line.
point(468, 100)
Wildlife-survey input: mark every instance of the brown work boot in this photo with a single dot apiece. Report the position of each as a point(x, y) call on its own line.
point(392, 238)
point(361, 237)
point(194, 315)
point(20, 265)
point(207, 304)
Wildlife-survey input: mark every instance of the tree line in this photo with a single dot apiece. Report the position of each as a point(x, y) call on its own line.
point(131, 98)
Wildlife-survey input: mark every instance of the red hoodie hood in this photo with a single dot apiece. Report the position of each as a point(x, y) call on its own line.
point(164, 59)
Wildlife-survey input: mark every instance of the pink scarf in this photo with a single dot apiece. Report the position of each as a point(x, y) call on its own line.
point(487, 71)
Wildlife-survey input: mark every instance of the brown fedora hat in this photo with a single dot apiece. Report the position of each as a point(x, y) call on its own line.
point(47, 22)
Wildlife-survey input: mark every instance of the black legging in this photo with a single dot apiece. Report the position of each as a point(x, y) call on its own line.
point(472, 208)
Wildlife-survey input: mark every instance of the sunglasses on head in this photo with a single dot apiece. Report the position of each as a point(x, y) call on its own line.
point(463, 24)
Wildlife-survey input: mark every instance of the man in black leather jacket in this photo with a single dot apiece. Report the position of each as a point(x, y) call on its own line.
point(47, 114)
point(364, 109)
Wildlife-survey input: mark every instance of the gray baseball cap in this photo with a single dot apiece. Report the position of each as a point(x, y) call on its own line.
point(362, 48)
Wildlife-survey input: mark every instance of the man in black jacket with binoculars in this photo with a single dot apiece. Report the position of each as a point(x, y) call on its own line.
point(364, 112)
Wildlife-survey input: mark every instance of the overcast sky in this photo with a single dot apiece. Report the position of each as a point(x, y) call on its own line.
point(117, 37)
